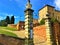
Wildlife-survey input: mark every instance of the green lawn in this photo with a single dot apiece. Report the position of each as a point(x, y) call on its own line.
point(3, 30)
point(8, 28)
point(8, 33)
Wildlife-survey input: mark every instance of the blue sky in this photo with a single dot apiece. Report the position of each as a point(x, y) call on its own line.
point(17, 7)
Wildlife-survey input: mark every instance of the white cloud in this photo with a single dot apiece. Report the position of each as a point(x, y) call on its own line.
point(16, 16)
point(8, 14)
point(5, 14)
point(1, 17)
point(57, 4)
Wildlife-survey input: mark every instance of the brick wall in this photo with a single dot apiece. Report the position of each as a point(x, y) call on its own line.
point(56, 32)
point(20, 25)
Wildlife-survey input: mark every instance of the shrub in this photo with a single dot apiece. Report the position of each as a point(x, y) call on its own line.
point(53, 20)
point(42, 22)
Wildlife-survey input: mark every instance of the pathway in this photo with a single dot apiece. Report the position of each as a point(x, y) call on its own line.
point(18, 33)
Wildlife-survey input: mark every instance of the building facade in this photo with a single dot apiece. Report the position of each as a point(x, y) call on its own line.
point(51, 10)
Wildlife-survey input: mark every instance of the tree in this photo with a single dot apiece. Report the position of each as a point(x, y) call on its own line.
point(12, 20)
point(0, 22)
point(3, 23)
point(7, 20)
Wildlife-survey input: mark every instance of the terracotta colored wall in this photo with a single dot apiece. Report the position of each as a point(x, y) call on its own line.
point(17, 26)
point(20, 26)
point(39, 35)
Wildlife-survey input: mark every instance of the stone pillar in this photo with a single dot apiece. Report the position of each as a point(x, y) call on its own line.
point(29, 24)
point(49, 35)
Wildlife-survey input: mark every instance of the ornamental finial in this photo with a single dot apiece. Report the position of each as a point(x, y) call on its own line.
point(29, 1)
point(28, 4)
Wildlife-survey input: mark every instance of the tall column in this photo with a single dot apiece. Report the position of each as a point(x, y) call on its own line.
point(49, 33)
point(29, 24)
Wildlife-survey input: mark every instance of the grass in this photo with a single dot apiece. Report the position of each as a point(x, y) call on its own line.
point(8, 28)
point(3, 31)
point(8, 33)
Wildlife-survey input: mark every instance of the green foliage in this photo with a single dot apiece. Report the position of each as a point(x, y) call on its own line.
point(7, 20)
point(8, 28)
point(53, 20)
point(12, 20)
point(3, 23)
point(42, 22)
point(8, 33)
point(3, 30)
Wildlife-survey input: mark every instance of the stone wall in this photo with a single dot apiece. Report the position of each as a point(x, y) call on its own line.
point(12, 25)
point(21, 24)
point(7, 40)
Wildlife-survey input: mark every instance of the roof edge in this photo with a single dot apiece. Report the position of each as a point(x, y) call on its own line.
point(57, 10)
point(45, 6)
